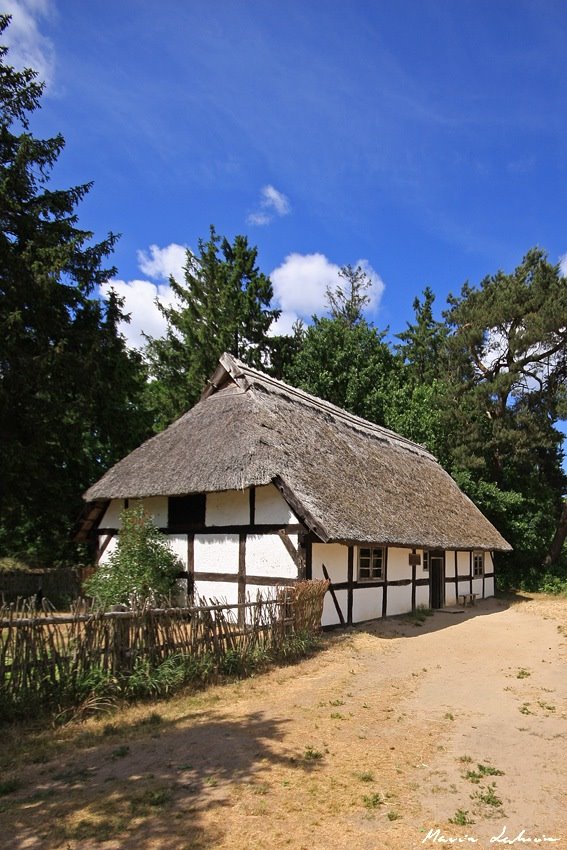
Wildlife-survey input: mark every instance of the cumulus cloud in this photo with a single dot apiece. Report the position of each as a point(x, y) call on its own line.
point(301, 282)
point(28, 47)
point(272, 203)
point(140, 295)
point(163, 263)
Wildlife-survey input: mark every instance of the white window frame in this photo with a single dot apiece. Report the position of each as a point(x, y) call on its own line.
point(425, 565)
point(373, 551)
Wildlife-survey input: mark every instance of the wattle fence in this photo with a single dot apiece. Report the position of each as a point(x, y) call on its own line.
point(52, 660)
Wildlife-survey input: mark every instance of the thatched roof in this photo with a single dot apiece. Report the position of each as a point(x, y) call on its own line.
point(346, 478)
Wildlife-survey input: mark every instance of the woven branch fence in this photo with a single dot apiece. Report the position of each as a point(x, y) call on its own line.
point(48, 659)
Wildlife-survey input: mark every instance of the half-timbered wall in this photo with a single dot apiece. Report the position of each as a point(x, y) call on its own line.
point(250, 540)
point(404, 586)
point(236, 551)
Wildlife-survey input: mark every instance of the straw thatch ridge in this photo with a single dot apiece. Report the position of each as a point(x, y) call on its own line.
point(347, 479)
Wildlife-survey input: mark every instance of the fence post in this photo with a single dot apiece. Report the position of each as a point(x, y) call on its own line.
point(120, 641)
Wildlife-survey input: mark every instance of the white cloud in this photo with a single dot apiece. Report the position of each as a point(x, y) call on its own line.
point(563, 264)
point(301, 282)
point(259, 218)
point(140, 295)
point(300, 286)
point(283, 326)
point(28, 47)
point(163, 263)
point(378, 286)
point(272, 203)
point(140, 302)
point(272, 199)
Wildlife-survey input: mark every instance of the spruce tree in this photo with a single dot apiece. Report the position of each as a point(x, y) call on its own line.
point(68, 387)
point(222, 305)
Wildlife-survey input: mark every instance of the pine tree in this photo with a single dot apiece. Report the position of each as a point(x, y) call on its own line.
point(508, 364)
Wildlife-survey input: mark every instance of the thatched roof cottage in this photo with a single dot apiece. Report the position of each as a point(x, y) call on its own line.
point(261, 484)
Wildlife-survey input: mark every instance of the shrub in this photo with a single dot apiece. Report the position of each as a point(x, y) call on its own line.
point(142, 568)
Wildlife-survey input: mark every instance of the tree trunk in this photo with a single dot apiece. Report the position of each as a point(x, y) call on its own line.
point(556, 547)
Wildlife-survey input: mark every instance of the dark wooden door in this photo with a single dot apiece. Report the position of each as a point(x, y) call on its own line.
point(437, 579)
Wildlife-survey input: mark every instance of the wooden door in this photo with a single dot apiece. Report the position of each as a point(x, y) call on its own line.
point(437, 579)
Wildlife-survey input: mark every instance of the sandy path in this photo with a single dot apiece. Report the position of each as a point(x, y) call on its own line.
point(359, 746)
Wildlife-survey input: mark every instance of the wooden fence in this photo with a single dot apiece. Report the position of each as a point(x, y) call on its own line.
point(47, 658)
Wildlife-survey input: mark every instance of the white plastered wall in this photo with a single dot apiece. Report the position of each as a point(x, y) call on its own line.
point(109, 549)
point(399, 599)
point(398, 564)
point(422, 596)
point(399, 568)
point(266, 555)
point(111, 518)
point(271, 507)
point(231, 507)
point(335, 558)
point(367, 603)
point(178, 544)
point(155, 506)
point(216, 553)
point(221, 591)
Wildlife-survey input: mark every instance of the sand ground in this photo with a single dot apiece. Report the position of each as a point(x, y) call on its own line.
point(395, 736)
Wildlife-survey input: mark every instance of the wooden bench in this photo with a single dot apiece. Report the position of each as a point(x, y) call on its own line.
point(467, 598)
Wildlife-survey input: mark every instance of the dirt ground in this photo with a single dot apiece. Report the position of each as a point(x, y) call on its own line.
point(395, 736)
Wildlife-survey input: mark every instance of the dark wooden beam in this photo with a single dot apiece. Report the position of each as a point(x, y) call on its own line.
point(241, 577)
point(333, 595)
point(294, 553)
point(261, 581)
point(350, 580)
point(299, 510)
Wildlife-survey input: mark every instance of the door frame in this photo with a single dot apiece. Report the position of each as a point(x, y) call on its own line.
point(436, 578)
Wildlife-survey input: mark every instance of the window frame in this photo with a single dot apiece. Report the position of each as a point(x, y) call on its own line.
point(371, 549)
point(478, 565)
point(425, 563)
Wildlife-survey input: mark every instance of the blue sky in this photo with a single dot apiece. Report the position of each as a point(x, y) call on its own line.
point(423, 138)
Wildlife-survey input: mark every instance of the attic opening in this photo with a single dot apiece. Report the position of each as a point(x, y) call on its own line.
point(186, 512)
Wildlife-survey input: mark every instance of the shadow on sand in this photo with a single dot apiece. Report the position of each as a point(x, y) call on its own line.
point(416, 624)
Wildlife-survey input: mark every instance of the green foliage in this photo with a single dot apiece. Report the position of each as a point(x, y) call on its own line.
point(343, 359)
point(373, 801)
point(142, 568)
point(347, 302)
point(461, 818)
point(345, 364)
point(68, 385)
point(508, 370)
point(423, 348)
point(222, 305)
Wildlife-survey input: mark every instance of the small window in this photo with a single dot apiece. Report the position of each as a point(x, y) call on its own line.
point(371, 563)
point(186, 512)
point(425, 560)
point(478, 564)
